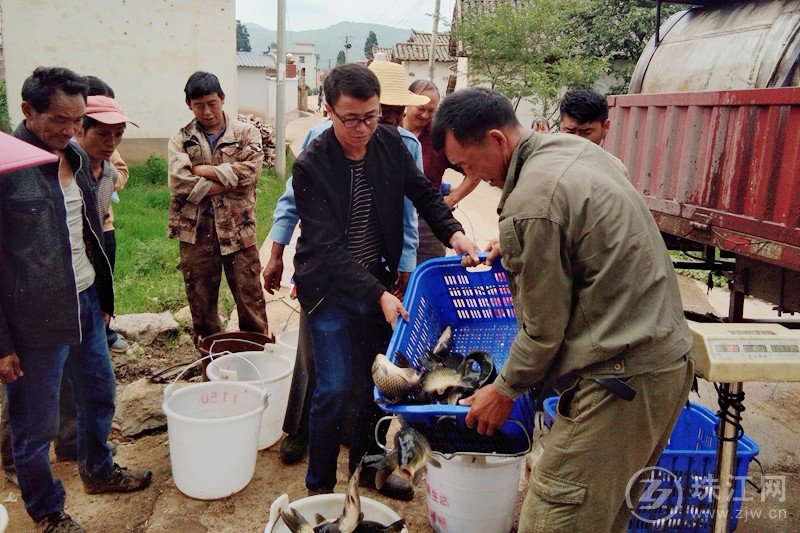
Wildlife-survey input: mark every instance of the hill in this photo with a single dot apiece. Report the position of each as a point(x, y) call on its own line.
point(329, 41)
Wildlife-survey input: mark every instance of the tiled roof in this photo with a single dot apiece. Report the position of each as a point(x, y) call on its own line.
point(255, 59)
point(388, 51)
point(421, 37)
point(421, 52)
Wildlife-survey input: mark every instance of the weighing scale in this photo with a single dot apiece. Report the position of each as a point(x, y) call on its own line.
point(731, 353)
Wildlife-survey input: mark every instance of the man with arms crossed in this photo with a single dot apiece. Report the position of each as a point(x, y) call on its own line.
point(214, 165)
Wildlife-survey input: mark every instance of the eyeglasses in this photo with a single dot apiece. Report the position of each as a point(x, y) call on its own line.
point(354, 122)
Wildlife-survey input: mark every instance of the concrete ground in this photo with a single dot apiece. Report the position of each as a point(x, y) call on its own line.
point(772, 419)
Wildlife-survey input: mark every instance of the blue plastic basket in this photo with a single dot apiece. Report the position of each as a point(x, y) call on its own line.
point(690, 456)
point(478, 306)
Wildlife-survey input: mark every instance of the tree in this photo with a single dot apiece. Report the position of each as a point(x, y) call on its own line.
point(340, 58)
point(372, 40)
point(273, 45)
point(521, 50)
point(5, 122)
point(242, 38)
point(617, 30)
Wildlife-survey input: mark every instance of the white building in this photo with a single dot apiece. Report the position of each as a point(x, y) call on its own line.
point(414, 56)
point(305, 58)
point(257, 85)
point(145, 50)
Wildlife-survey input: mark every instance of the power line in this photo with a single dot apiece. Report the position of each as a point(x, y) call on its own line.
point(409, 13)
point(379, 8)
point(398, 9)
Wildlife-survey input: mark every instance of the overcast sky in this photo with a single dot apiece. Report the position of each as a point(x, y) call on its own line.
point(315, 14)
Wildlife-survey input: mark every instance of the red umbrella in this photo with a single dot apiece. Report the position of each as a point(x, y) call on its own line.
point(17, 155)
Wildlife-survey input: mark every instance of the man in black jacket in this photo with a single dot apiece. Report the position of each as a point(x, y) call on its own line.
point(349, 186)
point(57, 293)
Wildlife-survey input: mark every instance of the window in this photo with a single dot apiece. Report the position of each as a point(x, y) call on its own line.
point(302, 59)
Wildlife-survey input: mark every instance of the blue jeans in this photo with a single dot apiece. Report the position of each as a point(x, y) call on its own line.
point(347, 335)
point(33, 408)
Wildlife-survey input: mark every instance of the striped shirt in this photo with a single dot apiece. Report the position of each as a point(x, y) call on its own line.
point(363, 231)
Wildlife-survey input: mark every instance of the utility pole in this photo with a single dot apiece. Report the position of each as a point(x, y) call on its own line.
point(280, 95)
point(347, 47)
point(434, 38)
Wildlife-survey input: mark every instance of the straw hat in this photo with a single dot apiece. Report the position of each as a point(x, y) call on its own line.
point(393, 83)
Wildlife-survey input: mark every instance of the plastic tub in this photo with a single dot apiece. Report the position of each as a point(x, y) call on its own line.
point(473, 494)
point(690, 456)
point(329, 506)
point(213, 432)
point(273, 368)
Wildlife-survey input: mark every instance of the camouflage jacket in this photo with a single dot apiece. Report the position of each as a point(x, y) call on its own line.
point(237, 160)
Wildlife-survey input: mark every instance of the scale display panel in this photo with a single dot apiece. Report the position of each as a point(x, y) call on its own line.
point(731, 352)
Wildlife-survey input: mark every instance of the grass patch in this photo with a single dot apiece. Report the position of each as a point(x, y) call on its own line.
point(147, 279)
point(718, 279)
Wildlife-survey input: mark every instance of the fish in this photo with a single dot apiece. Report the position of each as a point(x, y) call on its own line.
point(368, 526)
point(444, 344)
point(454, 360)
point(296, 522)
point(409, 457)
point(351, 520)
point(487, 370)
point(441, 382)
point(444, 378)
point(394, 382)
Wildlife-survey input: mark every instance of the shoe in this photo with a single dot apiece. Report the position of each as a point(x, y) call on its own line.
point(11, 475)
point(293, 449)
point(60, 522)
point(121, 480)
point(119, 345)
point(395, 487)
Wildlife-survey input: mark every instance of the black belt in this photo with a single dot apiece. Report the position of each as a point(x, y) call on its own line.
point(618, 387)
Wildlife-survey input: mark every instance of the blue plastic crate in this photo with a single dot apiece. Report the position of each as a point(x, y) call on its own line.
point(478, 306)
point(691, 456)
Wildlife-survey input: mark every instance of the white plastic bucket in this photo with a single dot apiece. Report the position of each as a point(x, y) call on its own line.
point(273, 368)
point(288, 336)
point(330, 506)
point(473, 494)
point(213, 436)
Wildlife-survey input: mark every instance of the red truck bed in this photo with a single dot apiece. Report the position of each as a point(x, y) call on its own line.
point(720, 168)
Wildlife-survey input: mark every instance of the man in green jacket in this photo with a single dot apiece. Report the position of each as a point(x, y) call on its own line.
point(598, 307)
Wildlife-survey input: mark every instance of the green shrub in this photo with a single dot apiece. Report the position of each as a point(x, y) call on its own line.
point(5, 121)
point(152, 172)
point(146, 278)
